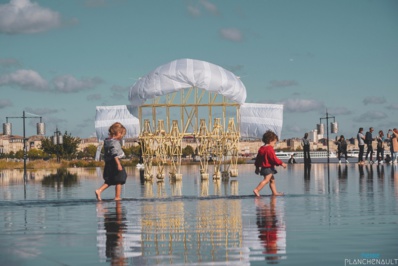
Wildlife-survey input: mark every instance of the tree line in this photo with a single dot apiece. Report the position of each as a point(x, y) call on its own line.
point(68, 150)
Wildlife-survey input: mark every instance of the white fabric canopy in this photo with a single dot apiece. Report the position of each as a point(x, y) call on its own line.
point(186, 73)
point(107, 115)
point(257, 118)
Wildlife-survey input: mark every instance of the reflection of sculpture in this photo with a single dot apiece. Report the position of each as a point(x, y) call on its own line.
point(169, 233)
point(204, 188)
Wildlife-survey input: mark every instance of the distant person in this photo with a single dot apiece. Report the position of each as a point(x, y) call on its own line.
point(291, 160)
point(380, 147)
point(114, 173)
point(265, 163)
point(390, 137)
point(361, 144)
point(305, 143)
point(394, 143)
point(342, 148)
point(368, 141)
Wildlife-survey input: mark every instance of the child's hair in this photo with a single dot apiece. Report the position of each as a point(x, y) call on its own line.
point(116, 128)
point(269, 136)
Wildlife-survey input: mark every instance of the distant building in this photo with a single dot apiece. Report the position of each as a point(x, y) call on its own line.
point(10, 143)
point(313, 135)
point(294, 144)
point(248, 147)
point(34, 142)
point(84, 143)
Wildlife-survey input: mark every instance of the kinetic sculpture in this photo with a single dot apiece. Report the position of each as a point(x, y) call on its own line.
point(194, 100)
point(164, 146)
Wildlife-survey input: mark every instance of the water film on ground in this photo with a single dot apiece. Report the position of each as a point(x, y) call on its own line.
point(330, 215)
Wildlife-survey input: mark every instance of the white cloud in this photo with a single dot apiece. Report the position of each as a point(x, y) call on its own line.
point(231, 34)
point(68, 83)
point(339, 111)
point(41, 111)
point(52, 123)
point(23, 16)
point(32, 81)
point(282, 83)
point(371, 116)
point(9, 62)
point(94, 97)
point(120, 89)
point(5, 103)
point(393, 106)
point(194, 11)
point(294, 129)
point(26, 79)
point(212, 8)
point(302, 105)
point(374, 100)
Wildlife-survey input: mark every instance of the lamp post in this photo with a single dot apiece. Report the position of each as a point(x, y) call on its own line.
point(7, 130)
point(334, 129)
point(57, 140)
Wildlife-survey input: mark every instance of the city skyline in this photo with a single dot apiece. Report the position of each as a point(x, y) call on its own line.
point(60, 60)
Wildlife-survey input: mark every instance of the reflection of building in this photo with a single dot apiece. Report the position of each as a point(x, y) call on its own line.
point(15, 176)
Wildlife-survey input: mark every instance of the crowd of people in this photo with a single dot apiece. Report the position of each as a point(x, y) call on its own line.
point(367, 139)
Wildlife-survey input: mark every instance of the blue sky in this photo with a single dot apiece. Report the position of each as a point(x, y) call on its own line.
point(61, 59)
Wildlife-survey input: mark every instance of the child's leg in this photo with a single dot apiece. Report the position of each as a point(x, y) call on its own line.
point(99, 191)
point(272, 186)
point(260, 186)
point(118, 191)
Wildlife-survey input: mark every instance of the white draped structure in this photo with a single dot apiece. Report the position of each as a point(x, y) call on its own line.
point(187, 73)
point(107, 115)
point(256, 118)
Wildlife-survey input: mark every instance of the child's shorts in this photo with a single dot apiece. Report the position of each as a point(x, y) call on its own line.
point(267, 171)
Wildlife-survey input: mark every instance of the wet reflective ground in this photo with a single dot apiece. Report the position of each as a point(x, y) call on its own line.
point(341, 215)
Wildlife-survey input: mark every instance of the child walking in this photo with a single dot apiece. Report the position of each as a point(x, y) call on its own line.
point(113, 153)
point(266, 161)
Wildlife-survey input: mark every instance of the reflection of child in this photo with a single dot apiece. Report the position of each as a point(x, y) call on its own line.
point(111, 240)
point(267, 223)
point(113, 151)
point(266, 161)
point(114, 224)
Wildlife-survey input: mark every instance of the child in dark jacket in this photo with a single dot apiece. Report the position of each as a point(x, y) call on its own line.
point(112, 155)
